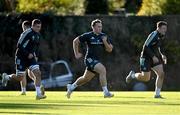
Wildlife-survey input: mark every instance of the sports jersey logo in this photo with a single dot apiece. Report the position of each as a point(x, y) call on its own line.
point(33, 37)
point(97, 42)
point(92, 38)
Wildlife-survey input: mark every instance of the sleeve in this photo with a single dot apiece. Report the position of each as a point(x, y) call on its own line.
point(83, 37)
point(148, 44)
point(22, 44)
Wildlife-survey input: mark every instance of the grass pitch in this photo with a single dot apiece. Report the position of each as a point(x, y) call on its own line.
point(90, 103)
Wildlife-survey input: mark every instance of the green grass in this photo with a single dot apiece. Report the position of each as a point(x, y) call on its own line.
point(90, 103)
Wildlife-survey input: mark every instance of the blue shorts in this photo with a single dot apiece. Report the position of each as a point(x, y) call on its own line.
point(147, 63)
point(23, 64)
point(90, 63)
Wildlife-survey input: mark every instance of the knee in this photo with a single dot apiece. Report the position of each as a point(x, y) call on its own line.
point(103, 71)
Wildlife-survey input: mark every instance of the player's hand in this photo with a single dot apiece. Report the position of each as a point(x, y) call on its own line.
point(155, 59)
point(30, 56)
point(78, 55)
point(104, 38)
point(164, 59)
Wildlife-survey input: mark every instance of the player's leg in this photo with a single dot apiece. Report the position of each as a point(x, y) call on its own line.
point(6, 78)
point(30, 74)
point(20, 73)
point(23, 85)
point(101, 70)
point(144, 75)
point(159, 80)
point(88, 75)
point(37, 80)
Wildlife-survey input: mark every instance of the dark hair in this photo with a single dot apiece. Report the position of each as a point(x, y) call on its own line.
point(161, 23)
point(93, 23)
point(26, 23)
point(36, 21)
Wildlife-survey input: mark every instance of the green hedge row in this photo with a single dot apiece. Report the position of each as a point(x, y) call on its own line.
point(128, 34)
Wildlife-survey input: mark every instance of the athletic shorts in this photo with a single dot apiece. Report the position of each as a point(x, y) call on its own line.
point(147, 63)
point(90, 63)
point(22, 64)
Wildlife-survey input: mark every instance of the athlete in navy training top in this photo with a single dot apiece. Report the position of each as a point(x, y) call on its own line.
point(152, 58)
point(26, 25)
point(25, 57)
point(95, 41)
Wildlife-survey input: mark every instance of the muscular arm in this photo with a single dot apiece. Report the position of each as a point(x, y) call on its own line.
point(108, 46)
point(76, 43)
point(161, 51)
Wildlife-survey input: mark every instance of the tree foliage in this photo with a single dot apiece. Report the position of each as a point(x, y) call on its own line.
point(151, 7)
point(159, 7)
point(115, 5)
point(171, 7)
point(62, 7)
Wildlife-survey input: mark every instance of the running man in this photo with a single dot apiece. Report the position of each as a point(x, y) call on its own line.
point(27, 46)
point(95, 41)
point(152, 58)
point(26, 25)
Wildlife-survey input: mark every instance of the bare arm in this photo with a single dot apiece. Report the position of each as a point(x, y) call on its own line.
point(107, 45)
point(76, 43)
point(162, 55)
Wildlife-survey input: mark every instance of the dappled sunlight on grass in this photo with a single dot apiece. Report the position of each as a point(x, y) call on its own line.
point(88, 103)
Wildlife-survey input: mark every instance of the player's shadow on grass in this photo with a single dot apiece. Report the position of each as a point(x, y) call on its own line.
point(34, 106)
point(118, 102)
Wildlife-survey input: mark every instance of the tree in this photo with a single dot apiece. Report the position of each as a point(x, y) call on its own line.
point(171, 7)
point(7, 5)
point(159, 7)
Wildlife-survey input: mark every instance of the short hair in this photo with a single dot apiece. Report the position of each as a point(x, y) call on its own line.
point(36, 21)
point(93, 23)
point(161, 23)
point(26, 23)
